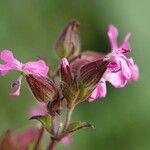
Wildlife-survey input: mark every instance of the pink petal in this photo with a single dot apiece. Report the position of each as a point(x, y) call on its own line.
point(67, 140)
point(10, 63)
point(99, 92)
point(125, 46)
point(116, 79)
point(34, 112)
point(134, 70)
point(125, 67)
point(112, 35)
point(16, 87)
point(36, 67)
point(27, 137)
point(40, 109)
point(64, 63)
point(7, 56)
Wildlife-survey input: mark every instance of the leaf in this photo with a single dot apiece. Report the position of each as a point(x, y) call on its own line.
point(75, 126)
point(46, 121)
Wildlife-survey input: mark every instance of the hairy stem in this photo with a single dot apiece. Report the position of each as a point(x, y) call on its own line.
point(38, 142)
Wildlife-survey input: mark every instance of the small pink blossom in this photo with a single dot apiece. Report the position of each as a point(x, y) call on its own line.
point(11, 63)
point(39, 110)
point(67, 140)
point(121, 69)
point(27, 137)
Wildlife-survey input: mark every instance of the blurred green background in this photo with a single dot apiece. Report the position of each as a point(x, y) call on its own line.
point(31, 27)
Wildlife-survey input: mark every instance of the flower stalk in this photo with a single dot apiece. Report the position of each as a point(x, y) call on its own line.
point(52, 144)
point(68, 117)
point(38, 142)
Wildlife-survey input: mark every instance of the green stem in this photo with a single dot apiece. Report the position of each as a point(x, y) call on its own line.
point(68, 117)
point(52, 144)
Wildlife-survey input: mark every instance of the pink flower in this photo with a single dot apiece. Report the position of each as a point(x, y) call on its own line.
point(39, 110)
point(121, 69)
point(27, 137)
point(124, 68)
point(67, 140)
point(11, 63)
point(20, 140)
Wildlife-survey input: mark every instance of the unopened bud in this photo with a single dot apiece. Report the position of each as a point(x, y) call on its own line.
point(42, 88)
point(65, 72)
point(68, 44)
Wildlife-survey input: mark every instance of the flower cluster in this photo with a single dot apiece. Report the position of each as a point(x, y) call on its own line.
point(80, 76)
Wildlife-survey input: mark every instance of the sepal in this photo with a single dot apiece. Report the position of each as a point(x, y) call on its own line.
point(43, 88)
point(45, 120)
point(75, 126)
point(91, 73)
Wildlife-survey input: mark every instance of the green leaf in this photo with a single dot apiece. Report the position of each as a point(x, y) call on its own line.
point(75, 126)
point(46, 121)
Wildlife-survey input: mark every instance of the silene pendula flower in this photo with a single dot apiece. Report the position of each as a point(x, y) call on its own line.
point(80, 78)
point(11, 63)
point(121, 69)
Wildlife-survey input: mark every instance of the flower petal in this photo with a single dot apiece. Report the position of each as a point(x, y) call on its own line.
point(99, 91)
point(39, 110)
point(112, 35)
point(26, 137)
point(36, 67)
point(117, 79)
point(125, 46)
point(134, 70)
point(67, 140)
point(16, 87)
point(10, 63)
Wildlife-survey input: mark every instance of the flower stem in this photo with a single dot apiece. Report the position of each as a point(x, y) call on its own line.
point(37, 144)
point(68, 117)
point(57, 137)
point(52, 144)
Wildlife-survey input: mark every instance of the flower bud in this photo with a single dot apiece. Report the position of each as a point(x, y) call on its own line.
point(42, 88)
point(65, 72)
point(68, 44)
